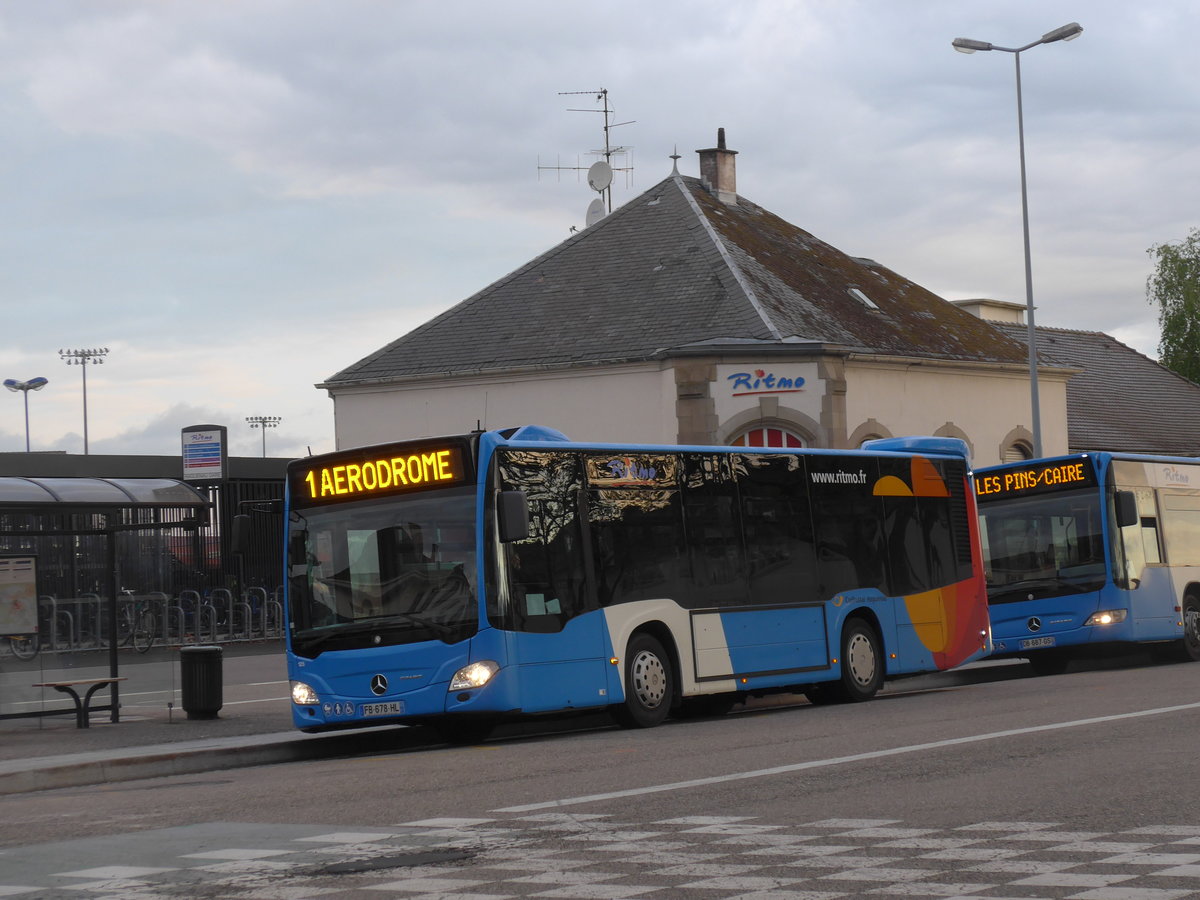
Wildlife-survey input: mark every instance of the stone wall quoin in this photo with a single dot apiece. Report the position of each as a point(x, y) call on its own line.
point(695, 409)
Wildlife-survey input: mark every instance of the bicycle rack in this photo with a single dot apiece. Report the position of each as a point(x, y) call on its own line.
point(188, 604)
point(90, 603)
point(156, 602)
point(49, 602)
point(206, 611)
point(256, 598)
point(247, 619)
point(81, 623)
point(221, 600)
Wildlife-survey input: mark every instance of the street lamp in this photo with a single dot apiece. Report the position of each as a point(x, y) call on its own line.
point(263, 422)
point(82, 358)
point(33, 384)
point(966, 45)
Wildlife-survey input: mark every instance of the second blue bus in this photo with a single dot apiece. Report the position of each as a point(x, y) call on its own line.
point(1092, 553)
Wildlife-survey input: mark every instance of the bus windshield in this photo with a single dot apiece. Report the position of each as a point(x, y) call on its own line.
point(1041, 546)
point(383, 572)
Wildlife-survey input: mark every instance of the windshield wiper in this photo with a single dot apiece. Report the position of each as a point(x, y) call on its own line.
point(311, 641)
point(415, 619)
point(1032, 585)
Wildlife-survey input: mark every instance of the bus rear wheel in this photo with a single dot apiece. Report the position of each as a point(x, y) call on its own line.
point(862, 668)
point(649, 684)
point(862, 663)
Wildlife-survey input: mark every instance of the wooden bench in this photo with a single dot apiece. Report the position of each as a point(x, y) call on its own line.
point(82, 706)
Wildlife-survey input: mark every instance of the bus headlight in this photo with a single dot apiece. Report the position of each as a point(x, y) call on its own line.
point(476, 675)
point(1107, 617)
point(303, 695)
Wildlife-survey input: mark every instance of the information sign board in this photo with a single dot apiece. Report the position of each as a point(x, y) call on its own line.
point(205, 453)
point(18, 595)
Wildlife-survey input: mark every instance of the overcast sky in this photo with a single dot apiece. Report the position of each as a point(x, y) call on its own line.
point(239, 199)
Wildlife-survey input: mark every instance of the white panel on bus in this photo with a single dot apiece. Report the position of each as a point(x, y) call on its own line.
point(712, 651)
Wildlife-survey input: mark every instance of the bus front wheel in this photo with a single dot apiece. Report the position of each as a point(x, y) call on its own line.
point(649, 685)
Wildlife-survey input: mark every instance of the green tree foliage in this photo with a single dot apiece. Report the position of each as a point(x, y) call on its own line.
point(1174, 288)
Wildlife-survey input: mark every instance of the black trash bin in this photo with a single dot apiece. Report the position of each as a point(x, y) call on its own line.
point(201, 681)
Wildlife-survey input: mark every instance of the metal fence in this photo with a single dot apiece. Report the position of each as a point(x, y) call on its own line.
point(72, 558)
point(81, 623)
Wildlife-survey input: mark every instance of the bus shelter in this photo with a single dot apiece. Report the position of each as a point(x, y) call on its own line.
point(49, 526)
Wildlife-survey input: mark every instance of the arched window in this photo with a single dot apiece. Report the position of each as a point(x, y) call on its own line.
point(1017, 452)
point(768, 437)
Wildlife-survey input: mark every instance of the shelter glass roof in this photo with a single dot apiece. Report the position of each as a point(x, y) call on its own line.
point(48, 493)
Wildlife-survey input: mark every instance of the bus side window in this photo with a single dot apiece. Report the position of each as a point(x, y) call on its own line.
point(545, 566)
point(777, 529)
point(546, 584)
point(710, 520)
point(1150, 539)
point(848, 521)
point(638, 545)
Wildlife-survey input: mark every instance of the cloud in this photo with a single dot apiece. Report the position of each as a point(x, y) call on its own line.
point(241, 199)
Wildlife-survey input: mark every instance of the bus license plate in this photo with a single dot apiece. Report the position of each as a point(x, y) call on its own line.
point(1031, 643)
point(391, 708)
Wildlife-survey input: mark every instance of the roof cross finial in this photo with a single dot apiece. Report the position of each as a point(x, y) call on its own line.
point(675, 157)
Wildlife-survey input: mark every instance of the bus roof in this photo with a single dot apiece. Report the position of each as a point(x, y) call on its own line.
point(1100, 456)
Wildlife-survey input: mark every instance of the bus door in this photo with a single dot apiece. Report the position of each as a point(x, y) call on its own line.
point(554, 630)
point(1180, 530)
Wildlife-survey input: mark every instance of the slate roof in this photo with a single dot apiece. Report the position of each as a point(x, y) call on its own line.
point(1122, 400)
point(672, 269)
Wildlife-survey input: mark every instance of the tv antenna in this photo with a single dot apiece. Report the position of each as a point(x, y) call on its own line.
point(600, 173)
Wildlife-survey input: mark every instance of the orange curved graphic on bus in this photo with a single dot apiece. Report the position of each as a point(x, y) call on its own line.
point(926, 482)
point(891, 486)
point(947, 620)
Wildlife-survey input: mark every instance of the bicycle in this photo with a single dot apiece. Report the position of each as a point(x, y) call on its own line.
point(136, 625)
point(23, 646)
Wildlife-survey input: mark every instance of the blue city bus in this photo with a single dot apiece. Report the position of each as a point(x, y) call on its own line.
point(1091, 553)
point(464, 580)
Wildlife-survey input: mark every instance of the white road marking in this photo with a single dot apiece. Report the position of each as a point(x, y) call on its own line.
point(841, 760)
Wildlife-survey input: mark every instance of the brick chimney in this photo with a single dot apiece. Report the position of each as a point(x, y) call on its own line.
point(718, 170)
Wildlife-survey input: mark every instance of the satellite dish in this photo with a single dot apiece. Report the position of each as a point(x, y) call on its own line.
point(599, 176)
point(595, 211)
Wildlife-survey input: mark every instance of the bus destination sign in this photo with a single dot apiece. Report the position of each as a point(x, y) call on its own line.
point(1035, 478)
point(377, 471)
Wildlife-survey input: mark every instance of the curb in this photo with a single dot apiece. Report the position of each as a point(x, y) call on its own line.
point(162, 760)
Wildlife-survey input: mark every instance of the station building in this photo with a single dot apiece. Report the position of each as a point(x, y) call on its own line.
point(692, 315)
point(1118, 399)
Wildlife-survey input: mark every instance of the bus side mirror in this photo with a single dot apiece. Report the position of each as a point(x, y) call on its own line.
point(1127, 512)
point(512, 510)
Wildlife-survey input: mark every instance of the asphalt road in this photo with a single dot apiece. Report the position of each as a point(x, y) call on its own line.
point(1076, 781)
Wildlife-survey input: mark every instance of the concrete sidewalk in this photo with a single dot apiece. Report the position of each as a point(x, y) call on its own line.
point(154, 735)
